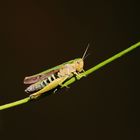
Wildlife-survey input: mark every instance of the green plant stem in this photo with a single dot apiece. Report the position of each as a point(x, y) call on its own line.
point(73, 79)
point(16, 103)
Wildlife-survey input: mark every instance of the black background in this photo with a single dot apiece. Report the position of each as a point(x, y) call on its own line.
point(37, 35)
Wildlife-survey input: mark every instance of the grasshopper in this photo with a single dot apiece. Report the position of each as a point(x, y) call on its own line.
point(54, 77)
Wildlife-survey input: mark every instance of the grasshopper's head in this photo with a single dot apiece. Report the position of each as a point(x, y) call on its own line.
point(79, 64)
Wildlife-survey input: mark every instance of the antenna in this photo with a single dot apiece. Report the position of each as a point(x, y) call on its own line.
point(83, 57)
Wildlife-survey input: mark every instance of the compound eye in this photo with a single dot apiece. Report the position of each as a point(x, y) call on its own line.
point(78, 62)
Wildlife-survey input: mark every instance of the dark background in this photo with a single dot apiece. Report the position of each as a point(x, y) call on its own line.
point(37, 35)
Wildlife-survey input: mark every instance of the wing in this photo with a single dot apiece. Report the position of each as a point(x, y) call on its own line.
point(43, 75)
point(36, 78)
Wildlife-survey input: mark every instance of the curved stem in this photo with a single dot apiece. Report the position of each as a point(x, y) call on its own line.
point(16, 103)
point(73, 79)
